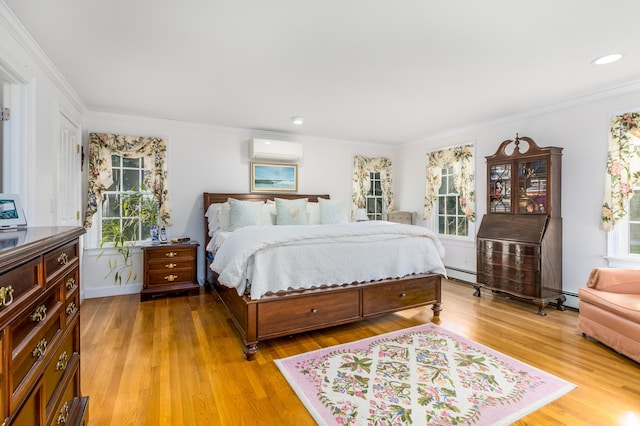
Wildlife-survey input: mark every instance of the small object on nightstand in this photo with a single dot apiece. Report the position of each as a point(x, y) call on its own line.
point(180, 240)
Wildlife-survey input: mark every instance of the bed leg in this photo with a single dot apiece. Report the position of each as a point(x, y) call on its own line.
point(436, 308)
point(250, 349)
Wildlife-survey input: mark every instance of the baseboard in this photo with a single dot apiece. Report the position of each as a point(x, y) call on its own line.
point(470, 277)
point(112, 290)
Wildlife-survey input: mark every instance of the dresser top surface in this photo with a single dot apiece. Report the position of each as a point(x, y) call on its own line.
point(19, 245)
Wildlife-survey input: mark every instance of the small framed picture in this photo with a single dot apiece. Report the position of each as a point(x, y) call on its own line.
point(274, 177)
point(11, 213)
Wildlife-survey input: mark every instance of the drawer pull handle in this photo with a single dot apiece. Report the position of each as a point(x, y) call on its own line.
point(64, 414)
point(171, 277)
point(40, 314)
point(63, 259)
point(314, 310)
point(170, 265)
point(71, 282)
point(40, 349)
point(6, 295)
point(71, 308)
point(62, 361)
point(403, 294)
point(171, 254)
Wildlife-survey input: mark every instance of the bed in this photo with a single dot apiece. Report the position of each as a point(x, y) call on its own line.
point(334, 301)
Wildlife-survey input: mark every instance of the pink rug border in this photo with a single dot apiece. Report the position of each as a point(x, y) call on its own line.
point(493, 416)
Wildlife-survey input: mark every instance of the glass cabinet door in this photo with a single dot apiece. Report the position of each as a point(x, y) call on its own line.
point(532, 187)
point(500, 188)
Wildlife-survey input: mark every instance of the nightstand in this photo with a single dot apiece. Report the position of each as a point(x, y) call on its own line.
point(170, 268)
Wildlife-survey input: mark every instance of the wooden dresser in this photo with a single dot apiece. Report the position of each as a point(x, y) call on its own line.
point(40, 327)
point(519, 243)
point(170, 268)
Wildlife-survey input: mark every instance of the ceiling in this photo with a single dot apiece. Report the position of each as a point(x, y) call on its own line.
point(377, 71)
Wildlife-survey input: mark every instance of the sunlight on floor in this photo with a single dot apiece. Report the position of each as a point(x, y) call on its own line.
point(630, 419)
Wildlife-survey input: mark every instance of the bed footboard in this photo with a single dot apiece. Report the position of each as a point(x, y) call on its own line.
point(306, 310)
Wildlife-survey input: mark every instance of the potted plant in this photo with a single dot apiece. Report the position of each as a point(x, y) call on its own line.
point(139, 209)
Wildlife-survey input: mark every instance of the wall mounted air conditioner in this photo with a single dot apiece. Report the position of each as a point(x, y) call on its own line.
point(278, 151)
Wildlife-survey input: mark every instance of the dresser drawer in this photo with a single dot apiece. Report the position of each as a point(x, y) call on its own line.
point(62, 413)
point(19, 283)
point(509, 247)
point(33, 319)
point(279, 316)
point(524, 276)
point(70, 282)
point(392, 297)
point(57, 260)
point(490, 258)
point(512, 286)
point(27, 357)
point(65, 355)
point(3, 408)
point(171, 253)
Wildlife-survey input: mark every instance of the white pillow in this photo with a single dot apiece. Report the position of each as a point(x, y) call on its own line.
point(244, 213)
point(269, 213)
point(313, 214)
point(213, 216)
point(333, 211)
point(291, 212)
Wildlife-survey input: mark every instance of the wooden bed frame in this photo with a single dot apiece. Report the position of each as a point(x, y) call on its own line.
point(297, 311)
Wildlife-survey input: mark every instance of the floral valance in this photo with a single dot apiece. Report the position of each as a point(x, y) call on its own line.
point(623, 168)
point(154, 152)
point(362, 167)
point(462, 161)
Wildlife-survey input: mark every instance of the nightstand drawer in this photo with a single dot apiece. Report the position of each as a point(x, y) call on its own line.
point(171, 276)
point(170, 265)
point(161, 253)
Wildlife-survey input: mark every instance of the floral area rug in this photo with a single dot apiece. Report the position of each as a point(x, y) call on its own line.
point(423, 375)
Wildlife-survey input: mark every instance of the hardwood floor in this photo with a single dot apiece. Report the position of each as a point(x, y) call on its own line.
point(178, 360)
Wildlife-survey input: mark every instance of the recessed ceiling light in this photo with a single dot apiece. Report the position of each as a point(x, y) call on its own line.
point(607, 59)
point(297, 120)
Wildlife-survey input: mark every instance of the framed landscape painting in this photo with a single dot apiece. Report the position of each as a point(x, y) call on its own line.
point(274, 177)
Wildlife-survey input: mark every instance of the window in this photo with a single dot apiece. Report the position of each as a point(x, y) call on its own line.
point(449, 199)
point(372, 186)
point(450, 218)
point(621, 208)
point(127, 186)
point(122, 206)
point(374, 199)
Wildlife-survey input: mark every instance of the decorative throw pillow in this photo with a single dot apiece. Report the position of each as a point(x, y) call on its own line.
point(333, 211)
point(291, 212)
point(244, 213)
point(313, 214)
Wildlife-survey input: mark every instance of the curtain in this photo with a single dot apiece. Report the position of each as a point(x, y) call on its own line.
point(362, 166)
point(154, 152)
point(461, 159)
point(623, 168)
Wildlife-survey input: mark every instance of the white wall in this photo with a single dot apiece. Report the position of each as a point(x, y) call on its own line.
point(216, 159)
point(582, 130)
point(44, 95)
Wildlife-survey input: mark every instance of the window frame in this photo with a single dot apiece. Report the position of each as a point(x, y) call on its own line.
point(374, 198)
point(118, 193)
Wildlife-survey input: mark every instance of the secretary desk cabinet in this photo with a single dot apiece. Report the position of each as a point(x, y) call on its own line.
point(40, 327)
point(519, 243)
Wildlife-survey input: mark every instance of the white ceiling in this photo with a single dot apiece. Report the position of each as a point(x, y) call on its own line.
point(380, 71)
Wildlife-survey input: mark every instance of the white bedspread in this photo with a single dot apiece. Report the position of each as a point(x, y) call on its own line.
point(275, 258)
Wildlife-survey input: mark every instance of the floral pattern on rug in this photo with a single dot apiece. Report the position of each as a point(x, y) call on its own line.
point(425, 376)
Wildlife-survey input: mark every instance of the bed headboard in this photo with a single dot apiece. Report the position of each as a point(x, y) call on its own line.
point(214, 197)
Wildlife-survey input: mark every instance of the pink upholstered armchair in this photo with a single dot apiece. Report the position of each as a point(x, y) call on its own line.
point(610, 309)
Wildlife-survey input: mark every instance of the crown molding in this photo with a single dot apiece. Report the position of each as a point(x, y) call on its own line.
point(13, 25)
